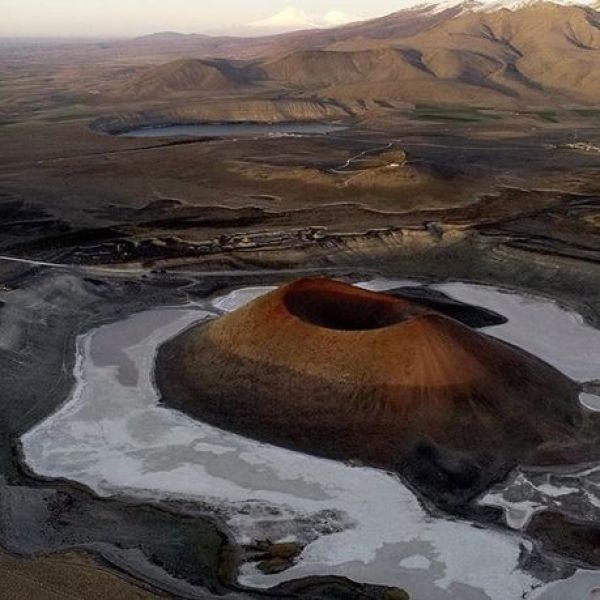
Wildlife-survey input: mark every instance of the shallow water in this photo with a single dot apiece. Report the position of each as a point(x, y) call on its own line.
point(363, 523)
point(237, 130)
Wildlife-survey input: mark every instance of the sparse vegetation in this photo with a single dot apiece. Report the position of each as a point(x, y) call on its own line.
point(453, 113)
point(588, 112)
point(547, 116)
point(68, 113)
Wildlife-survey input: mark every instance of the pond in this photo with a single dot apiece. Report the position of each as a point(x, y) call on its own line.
point(237, 130)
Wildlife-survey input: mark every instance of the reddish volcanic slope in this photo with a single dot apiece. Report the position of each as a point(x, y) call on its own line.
point(328, 368)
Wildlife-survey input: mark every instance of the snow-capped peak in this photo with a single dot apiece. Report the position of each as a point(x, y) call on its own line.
point(492, 5)
point(518, 4)
point(335, 18)
point(288, 17)
point(292, 18)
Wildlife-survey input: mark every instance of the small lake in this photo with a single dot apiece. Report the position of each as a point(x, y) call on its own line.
point(237, 129)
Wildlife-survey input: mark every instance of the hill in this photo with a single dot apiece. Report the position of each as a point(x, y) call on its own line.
point(544, 49)
point(185, 75)
point(324, 367)
point(542, 54)
point(401, 23)
point(539, 54)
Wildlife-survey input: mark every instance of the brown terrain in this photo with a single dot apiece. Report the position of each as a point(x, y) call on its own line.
point(183, 75)
point(542, 56)
point(72, 576)
point(324, 367)
point(470, 152)
point(538, 55)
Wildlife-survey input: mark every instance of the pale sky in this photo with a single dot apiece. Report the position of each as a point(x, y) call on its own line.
point(136, 17)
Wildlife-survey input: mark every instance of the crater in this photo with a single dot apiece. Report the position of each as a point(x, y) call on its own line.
point(327, 368)
point(350, 309)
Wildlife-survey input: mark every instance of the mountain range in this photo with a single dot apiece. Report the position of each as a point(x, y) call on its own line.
point(493, 53)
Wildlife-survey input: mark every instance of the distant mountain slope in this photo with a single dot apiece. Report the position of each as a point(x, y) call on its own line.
point(323, 68)
point(185, 75)
point(544, 52)
point(544, 48)
point(167, 44)
point(493, 5)
point(419, 17)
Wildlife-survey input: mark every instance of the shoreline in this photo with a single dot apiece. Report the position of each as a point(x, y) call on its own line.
point(237, 287)
point(428, 266)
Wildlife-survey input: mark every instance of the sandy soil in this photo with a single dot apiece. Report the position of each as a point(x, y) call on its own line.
point(70, 576)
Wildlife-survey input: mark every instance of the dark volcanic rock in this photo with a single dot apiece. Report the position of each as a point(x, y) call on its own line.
point(473, 316)
point(561, 535)
point(337, 588)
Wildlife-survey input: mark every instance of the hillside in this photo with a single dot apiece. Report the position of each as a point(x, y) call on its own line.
point(327, 368)
point(542, 53)
point(542, 50)
point(185, 75)
point(401, 23)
